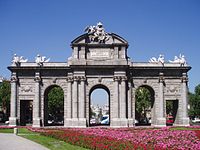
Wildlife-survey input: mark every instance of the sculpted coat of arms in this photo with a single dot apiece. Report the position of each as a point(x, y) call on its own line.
point(97, 33)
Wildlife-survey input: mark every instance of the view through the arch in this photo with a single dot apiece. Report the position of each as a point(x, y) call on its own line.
point(99, 107)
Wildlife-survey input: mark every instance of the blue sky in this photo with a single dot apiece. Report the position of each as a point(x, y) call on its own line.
point(47, 27)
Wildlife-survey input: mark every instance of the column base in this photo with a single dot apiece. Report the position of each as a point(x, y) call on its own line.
point(68, 122)
point(75, 123)
point(130, 122)
point(12, 121)
point(119, 122)
point(183, 122)
point(36, 123)
point(82, 122)
point(160, 122)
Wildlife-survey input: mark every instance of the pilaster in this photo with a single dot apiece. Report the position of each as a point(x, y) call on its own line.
point(160, 119)
point(184, 120)
point(68, 104)
point(82, 119)
point(36, 102)
point(119, 105)
point(13, 104)
point(123, 98)
point(115, 113)
point(130, 107)
point(75, 102)
point(123, 118)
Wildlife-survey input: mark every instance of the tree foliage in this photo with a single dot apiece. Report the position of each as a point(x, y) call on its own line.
point(143, 101)
point(169, 107)
point(5, 92)
point(194, 101)
point(56, 101)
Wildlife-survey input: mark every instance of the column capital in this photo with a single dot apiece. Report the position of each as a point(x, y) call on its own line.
point(83, 78)
point(69, 79)
point(161, 77)
point(37, 79)
point(116, 78)
point(184, 79)
point(13, 79)
point(124, 78)
point(76, 78)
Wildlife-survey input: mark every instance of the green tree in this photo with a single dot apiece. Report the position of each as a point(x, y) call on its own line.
point(56, 102)
point(143, 101)
point(5, 93)
point(169, 107)
point(194, 101)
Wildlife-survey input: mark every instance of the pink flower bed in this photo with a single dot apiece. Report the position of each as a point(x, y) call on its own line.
point(129, 138)
point(159, 138)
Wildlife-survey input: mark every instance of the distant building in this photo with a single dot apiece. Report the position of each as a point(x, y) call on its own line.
point(1, 79)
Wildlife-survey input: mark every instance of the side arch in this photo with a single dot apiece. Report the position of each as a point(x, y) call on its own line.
point(45, 85)
point(151, 115)
point(56, 118)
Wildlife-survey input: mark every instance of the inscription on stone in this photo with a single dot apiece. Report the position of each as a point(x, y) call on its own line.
point(99, 54)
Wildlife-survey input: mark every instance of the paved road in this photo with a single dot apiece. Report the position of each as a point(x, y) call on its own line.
point(14, 142)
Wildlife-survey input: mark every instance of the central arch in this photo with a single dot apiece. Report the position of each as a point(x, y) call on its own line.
point(99, 111)
point(54, 106)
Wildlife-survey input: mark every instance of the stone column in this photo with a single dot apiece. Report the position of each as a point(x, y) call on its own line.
point(68, 104)
point(116, 53)
point(116, 98)
point(114, 108)
point(133, 105)
point(13, 101)
point(183, 108)
point(123, 102)
point(36, 102)
point(130, 107)
point(75, 102)
point(82, 119)
point(161, 120)
point(123, 98)
point(75, 53)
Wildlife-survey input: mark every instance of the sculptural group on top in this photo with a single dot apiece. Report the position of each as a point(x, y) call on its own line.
point(18, 59)
point(181, 60)
point(41, 59)
point(97, 33)
point(160, 59)
point(177, 60)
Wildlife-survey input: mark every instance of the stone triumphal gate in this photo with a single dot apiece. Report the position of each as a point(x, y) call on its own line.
point(99, 60)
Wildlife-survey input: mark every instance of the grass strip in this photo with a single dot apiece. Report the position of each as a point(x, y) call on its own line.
point(184, 128)
point(49, 142)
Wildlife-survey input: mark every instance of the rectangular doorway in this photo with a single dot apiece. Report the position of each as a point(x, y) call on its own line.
point(171, 111)
point(26, 112)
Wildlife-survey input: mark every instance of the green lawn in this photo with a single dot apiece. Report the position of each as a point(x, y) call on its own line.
point(49, 142)
point(184, 128)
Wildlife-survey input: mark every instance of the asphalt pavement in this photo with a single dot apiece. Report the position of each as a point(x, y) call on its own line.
point(13, 142)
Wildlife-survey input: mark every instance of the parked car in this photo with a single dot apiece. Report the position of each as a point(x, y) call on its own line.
point(105, 119)
point(92, 121)
point(196, 120)
point(170, 120)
